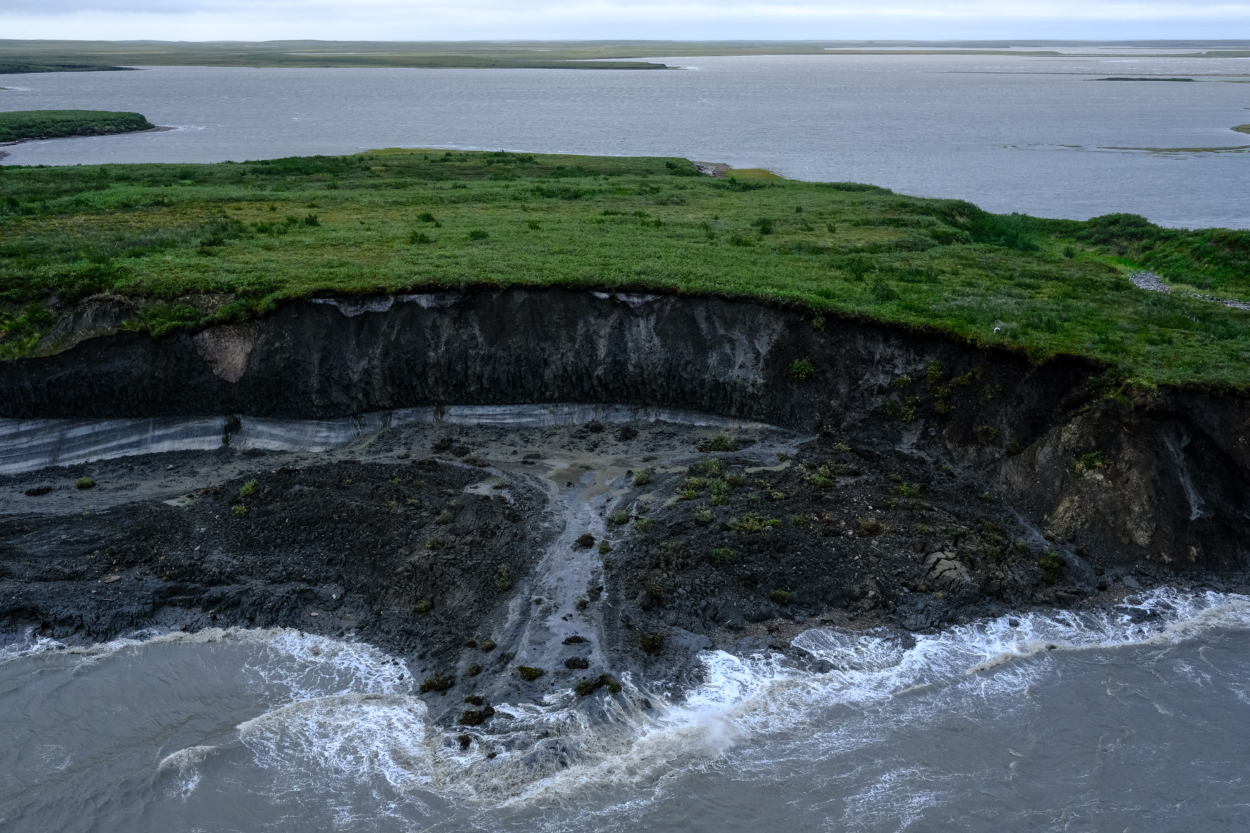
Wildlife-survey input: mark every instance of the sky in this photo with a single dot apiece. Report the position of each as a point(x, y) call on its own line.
point(200, 20)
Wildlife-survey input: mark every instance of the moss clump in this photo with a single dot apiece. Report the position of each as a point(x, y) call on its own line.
point(781, 597)
point(488, 645)
point(241, 511)
point(1088, 462)
point(84, 483)
point(643, 525)
point(822, 479)
point(619, 518)
point(870, 526)
point(476, 717)
point(585, 541)
point(422, 607)
point(248, 489)
point(585, 687)
point(1052, 564)
point(440, 684)
point(722, 556)
point(653, 642)
point(604, 547)
point(753, 523)
point(529, 673)
point(503, 578)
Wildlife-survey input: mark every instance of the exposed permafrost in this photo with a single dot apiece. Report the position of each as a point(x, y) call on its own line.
point(27, 445)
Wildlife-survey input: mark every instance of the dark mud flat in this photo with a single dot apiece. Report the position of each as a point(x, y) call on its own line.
point(909, 482)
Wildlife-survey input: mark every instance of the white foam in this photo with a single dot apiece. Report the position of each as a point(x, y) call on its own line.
point(346, 715)
point(348, 736)
point(29, 645)
point(749, 698)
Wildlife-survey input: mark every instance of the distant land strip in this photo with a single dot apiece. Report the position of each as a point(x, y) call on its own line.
point(17, 56)
point(24, 125)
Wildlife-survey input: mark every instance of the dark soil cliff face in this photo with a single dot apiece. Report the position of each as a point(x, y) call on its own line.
point(1171, 474)
point(924, 481)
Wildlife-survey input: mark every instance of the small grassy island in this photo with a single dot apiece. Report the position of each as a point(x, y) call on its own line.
point(21, 125)
point(190, 245)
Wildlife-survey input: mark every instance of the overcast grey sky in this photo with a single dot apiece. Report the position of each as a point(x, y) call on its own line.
point(592, 19)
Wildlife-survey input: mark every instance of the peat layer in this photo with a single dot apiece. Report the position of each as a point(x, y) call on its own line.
point(849, 474)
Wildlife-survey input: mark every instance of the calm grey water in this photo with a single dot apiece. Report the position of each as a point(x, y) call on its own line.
point(1010, 134)
point(1059, 723)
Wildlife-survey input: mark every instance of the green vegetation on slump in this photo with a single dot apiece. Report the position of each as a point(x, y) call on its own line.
point(196, 244)
point(54, 124)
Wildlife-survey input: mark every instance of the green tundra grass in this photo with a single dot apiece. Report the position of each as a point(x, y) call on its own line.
point(196, 244)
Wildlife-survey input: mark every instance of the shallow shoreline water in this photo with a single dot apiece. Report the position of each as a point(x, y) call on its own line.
point(239, 727)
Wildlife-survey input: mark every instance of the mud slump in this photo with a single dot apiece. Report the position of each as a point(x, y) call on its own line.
point(586, 540)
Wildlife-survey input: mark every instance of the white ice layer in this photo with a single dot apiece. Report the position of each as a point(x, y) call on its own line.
point(27, 445)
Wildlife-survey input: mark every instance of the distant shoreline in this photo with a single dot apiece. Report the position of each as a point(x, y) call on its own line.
point(5, 154)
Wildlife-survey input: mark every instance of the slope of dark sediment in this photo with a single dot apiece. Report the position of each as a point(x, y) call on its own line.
point(915, 480)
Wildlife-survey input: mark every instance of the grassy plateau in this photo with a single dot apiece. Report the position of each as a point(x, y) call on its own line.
point(197, 244)
point(19, 125)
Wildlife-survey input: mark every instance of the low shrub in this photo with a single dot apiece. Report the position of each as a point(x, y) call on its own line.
point(721, 442)
point(707, 468)
point(802, 369)
point(84, 483)
point(529, 673)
